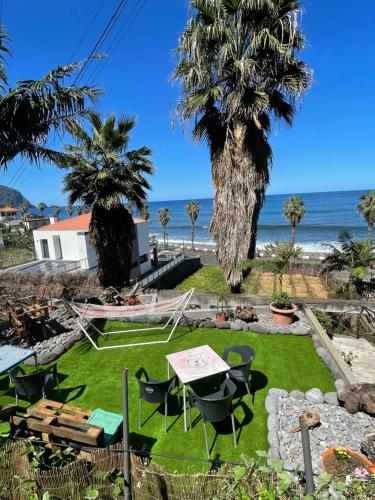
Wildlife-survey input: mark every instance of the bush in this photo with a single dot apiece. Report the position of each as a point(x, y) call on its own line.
point(324, 319)
point(281, 300)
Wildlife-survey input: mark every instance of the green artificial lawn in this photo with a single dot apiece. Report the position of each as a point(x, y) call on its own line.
point(92, 379)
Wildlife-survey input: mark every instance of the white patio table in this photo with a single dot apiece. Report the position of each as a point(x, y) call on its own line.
point(194, 364)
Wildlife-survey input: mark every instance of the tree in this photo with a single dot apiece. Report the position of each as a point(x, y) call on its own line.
point(25, 209)
point(33, 109)
point(103, 171)
point(164, 217)
point(42, 206)
point(277, 255)
point(239, 68)
point(69, 210)
point(294, 212)
point(192, 209)
point(80, 210)
point(56, 210)
point(353, 256)
point(145, 212)
point(367, 209)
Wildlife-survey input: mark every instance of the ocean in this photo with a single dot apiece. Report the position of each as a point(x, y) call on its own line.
point(326, 215)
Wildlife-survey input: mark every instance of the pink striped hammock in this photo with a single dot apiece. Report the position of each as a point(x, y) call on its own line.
point(87, 312)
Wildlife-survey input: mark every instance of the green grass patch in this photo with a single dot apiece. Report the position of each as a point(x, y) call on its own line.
point(206, 279)
point(92, 379)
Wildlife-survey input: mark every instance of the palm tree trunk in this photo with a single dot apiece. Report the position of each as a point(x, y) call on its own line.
point(164, 229)
point(111, 235)
point(240, 177)
point(369, 231)
point(293, 235)
point(192, 236)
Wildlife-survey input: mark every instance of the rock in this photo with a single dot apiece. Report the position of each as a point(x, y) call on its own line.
point(236, 325)
point(339, 383)
point(314, 395)
point(358, 397)
point(368, 446)
point(324, 354)
point(331, 398)
point(297, 394)
point(273, 439)
point(272, 422)
point(223, 325)
point(258, 328)
point(297, 329)
point(208, 324)
point(271, 403)
point(279, 392)
point(273, 453)
point(246, 314)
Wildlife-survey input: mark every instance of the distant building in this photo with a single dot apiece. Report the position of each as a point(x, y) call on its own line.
point(1, 238)
point(68, 240)
point(31, 223)
point(9, 213)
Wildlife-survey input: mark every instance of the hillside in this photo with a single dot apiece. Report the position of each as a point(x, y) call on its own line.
point(12, 197)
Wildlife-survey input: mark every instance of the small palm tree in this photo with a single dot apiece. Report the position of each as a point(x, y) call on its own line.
point(103, 173)
point(69, 210)
point(56, 210)
point(164, 217)
point(192, 210)
point(353, 256)
point(277, 255)
point(367, 209)
point(294, 212)
point(42, 206)
point(145, 212)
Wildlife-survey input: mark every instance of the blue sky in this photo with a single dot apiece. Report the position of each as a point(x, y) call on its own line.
point(331, 146)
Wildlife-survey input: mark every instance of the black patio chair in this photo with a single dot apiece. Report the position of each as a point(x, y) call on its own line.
point(240, 371)
point(29, 385)
point(154, 391)
point(215, 407)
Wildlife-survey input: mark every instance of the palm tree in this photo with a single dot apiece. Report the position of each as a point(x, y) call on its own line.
point(145, 212)
point(69, 210)
point(25, 209)
point(367, 209)
point(353, 256)
point(104, 172)
point(56, 210)
point(294, 212)
point(239, 69)
point(80, 210)
point(42, 206)
point(192, 210)
point(32, 109)
point(164, 217)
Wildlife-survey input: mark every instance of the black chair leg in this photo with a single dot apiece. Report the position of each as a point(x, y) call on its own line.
point(165, 415)
point(205, 438)
point(140, 413)
point(234, 430)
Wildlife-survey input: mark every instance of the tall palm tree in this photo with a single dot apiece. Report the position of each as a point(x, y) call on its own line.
point(33, 109)
point(164, 217)
point(353, 256)
point(239, 69)
point(42, 206)
point(367, 209)
point(294, 212)
point(69, 210)
point(192, 210)
point(104, 172)
point(56, 210)
point(145, 212)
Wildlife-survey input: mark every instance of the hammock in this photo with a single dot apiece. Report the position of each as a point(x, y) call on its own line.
point(88, 312)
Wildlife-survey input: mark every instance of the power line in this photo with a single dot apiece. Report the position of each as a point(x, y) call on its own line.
point(101, 39)
point(116, 41)
point(94, 18)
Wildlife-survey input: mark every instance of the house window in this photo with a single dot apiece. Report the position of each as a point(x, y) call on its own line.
point(143, 258)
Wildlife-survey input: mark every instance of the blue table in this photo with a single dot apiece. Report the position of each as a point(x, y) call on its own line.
point(11, 356)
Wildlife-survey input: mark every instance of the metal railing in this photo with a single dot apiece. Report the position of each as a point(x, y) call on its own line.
point(160, 271)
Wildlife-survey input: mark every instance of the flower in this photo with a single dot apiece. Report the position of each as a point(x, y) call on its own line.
point(348, 480)
point(360, 473)
point(372, 469)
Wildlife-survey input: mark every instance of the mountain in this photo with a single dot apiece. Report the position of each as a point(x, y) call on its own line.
point(12, 197)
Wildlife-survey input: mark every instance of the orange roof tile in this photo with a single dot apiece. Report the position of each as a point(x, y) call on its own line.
point(79, 223)
point(9, 209)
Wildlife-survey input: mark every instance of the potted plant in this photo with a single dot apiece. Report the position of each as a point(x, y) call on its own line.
point(283, 309)
point(342, 461)
point(225, 311)
point(109, 296)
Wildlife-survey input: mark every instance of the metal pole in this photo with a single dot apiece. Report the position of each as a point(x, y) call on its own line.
point(307, 455)
point(125, 431)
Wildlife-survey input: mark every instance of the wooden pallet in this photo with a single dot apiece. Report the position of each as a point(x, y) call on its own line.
point(52, 420)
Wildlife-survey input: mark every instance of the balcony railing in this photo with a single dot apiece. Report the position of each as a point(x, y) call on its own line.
point(147, 280)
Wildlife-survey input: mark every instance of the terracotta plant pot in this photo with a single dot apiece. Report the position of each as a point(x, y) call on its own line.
point(221, 317)
point(360, 461)
point(283, 316)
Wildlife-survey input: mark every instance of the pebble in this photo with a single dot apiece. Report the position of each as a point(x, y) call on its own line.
point(315, 395)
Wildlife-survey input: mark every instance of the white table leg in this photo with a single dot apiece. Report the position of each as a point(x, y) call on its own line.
point(168, 369)
point(184, 396)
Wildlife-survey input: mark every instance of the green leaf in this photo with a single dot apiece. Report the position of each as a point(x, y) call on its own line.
point(239, 473)
point(262, 454)
point(91, 493)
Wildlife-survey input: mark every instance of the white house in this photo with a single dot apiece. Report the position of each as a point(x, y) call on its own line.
point(9, 213)
point(69, 240)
